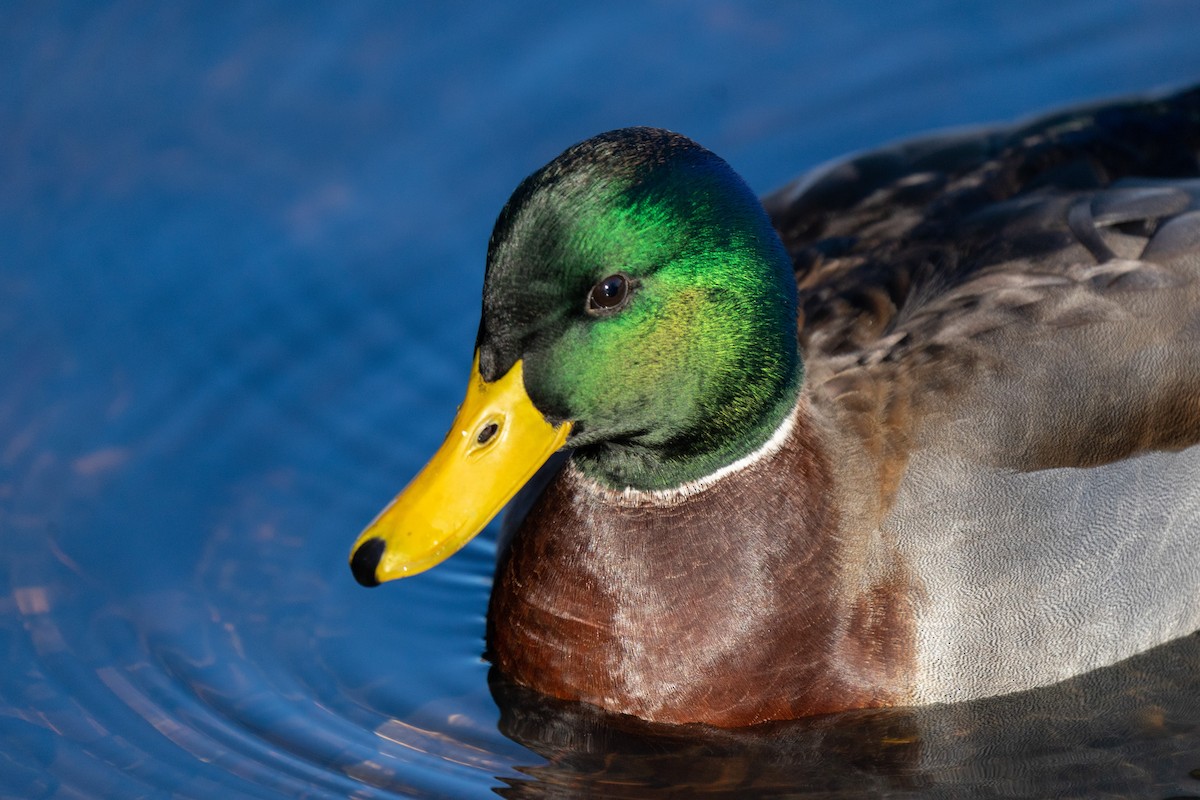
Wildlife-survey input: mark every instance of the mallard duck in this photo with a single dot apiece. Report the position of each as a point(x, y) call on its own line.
point(920, 427)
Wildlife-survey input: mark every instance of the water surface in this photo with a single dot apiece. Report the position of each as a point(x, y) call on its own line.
point(240, 252)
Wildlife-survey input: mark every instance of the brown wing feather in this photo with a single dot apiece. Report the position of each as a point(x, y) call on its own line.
point(1036, 283)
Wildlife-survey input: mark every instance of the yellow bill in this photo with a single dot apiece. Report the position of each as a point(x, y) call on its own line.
point(496, 444)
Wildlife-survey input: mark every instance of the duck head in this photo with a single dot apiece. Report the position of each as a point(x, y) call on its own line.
point(638, 308)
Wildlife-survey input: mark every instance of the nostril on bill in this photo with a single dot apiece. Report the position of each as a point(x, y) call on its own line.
point(366, 559)
point(486, 433)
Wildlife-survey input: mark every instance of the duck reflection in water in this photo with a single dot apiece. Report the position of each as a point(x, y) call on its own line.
point(1104, 734)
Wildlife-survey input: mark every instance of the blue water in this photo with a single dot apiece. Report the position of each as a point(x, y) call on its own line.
point(240, 255)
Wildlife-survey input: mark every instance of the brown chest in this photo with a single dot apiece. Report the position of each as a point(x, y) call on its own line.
point(727, 606)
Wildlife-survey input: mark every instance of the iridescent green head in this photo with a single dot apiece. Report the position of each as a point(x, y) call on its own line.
point(639, 281)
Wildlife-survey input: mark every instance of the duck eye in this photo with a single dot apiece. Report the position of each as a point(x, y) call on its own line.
point(609, 293)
